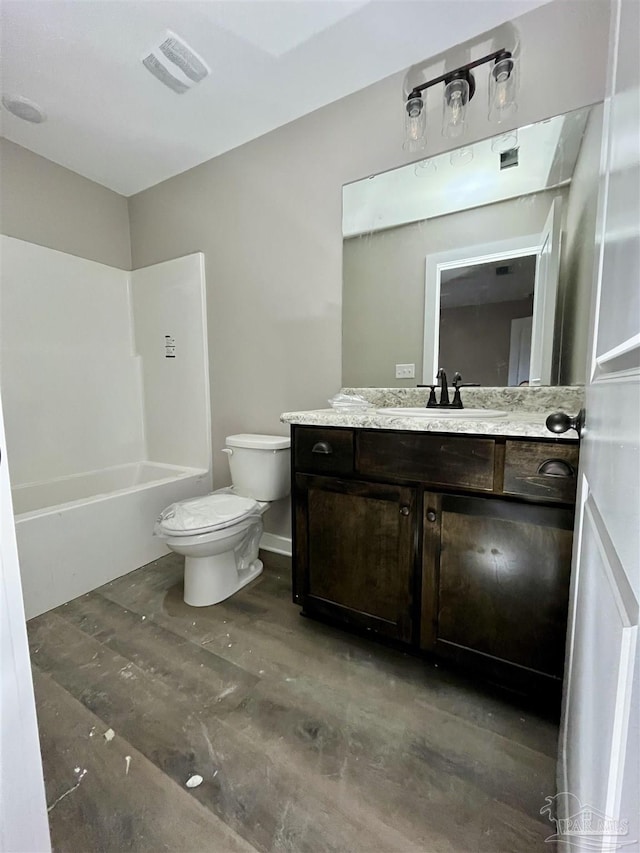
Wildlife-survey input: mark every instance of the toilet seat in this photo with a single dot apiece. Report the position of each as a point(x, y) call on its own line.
point(206, 514)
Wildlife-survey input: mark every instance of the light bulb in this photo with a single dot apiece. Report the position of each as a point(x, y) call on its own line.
point(454, 107)
point(415, 124)
point(502, 90)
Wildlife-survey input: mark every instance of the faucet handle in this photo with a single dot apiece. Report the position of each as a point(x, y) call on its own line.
point(456, 403)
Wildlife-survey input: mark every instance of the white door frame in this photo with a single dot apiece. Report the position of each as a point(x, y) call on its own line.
point(466, 256)
point(545, 297)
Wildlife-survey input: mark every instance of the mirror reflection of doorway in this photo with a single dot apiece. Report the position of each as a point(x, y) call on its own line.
point(467, 275)
point(485, 320)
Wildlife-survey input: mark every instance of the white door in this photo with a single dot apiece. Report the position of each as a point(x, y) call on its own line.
point(520, 350)
point(545, 295)
point(599, 745)
point(23, 815)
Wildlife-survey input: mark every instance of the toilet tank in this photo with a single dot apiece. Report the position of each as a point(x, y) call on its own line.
point(260, 465)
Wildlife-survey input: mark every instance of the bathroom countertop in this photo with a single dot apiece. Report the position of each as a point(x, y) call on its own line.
point(527, 410)
point(542, 399)
point(521, 424)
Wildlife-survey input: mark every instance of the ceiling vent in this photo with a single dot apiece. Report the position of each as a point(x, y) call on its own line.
point(509, 159)
point(176, 64)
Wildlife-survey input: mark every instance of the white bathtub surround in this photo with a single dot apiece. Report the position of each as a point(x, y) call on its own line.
point(527, 410)
point(73, 547)
point(32, 499)
point(106, 393)
point(71, 382)
point(170, 330)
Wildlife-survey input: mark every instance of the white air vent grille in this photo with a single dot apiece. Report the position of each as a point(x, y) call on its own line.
point(175, 64)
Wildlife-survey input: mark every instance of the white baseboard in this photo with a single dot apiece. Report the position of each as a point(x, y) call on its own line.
point(275, 543)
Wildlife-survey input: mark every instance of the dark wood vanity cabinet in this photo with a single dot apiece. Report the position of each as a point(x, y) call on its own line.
point(456, 545)
point(355, 553)
point(495, 581)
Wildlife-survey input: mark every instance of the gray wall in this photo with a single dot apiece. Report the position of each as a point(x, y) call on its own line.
point(577, 278)
point(268, 218)
point(384, 284)
point(475, 339)
point(44, 203)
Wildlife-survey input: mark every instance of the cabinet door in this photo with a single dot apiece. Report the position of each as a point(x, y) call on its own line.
point(355, 552)
point(499, 572)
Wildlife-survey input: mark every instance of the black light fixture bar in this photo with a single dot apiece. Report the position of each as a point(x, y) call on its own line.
point(459, 72)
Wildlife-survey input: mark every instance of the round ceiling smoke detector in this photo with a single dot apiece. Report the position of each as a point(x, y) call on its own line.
point(24, 108)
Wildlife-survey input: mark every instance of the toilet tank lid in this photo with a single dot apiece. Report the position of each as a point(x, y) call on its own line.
point(258, 442)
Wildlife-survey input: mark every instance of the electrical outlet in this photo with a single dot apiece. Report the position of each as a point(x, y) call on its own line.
point(405, 371)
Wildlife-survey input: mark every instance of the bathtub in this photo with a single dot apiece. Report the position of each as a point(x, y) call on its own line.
point(77, 533)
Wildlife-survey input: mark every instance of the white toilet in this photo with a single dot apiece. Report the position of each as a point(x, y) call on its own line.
point(219, 534)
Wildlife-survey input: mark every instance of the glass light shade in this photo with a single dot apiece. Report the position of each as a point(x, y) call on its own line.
point(415, 125)
point(454, 107)
point(504, 142)
point(461, 157)
point(425, 168)
point(502, 90)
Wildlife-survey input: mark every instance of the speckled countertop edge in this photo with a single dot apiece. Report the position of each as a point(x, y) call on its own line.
point(527, 409)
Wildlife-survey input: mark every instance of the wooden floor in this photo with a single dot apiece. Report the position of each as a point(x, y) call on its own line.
point(307, 738)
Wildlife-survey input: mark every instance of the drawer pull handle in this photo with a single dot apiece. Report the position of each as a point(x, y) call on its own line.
point(556, 468)
point(431, 516)
point(404, 510)
point(322, 447)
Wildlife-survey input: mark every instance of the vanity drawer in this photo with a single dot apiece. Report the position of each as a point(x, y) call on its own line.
point(535, 469)
point(323, 451)
point(431, 459)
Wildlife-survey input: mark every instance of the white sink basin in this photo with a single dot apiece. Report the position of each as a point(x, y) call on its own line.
point(471, 414)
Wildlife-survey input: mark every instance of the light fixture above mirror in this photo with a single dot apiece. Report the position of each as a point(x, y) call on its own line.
point(459, 89)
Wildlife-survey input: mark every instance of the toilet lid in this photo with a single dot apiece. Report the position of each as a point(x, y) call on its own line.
point(211, 512)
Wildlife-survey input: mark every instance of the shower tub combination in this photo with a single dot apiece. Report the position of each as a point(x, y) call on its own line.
point(78, 532)
point(106, 398)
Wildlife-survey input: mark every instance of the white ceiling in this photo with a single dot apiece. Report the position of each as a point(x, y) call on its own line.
point(481, 285)
point(271, 62)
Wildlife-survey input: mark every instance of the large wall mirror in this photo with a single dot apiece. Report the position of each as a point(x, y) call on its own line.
point(479, 260)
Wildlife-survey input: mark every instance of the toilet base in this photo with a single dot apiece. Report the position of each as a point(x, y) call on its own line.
point(210, 580)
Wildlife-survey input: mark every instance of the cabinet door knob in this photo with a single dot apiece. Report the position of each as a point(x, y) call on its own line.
point(431, 515)
point(561, 422)
point(555, 468)
point(322, 447)
point(404, 510)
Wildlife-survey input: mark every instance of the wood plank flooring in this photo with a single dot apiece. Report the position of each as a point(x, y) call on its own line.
point(309, 740)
